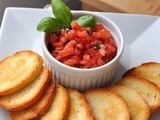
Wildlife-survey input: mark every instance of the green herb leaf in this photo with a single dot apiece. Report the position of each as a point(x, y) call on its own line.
point(88, 31)
point(97, 46)
point(87, 21)
point(49, 24)
point(75, 65)
point(62, 12)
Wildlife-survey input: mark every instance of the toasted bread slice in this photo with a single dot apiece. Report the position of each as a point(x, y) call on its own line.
point(107, 105)
point(147, 89)
point(79, 107)
point(28, 95)
point(38, 108)
point(149, 71)
point(19, 70)
point(60, 105)
point(138, 106)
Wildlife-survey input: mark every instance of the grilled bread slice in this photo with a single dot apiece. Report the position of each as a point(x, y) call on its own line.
point(79, 107)
point(59, 106)
point(107, 105)
point(38, 108)
point(147, 89)
point(19, 70)
point(149, 71)
point(28, 95)
point(138, 106)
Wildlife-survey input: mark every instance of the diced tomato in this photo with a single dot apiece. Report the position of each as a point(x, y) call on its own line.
point(63, 32)
point(77, 52)
point(63, 39)
point(82, 34)
point(89, 38)
point(105, 34)
point(96, 35)
point(74, 25)
point(94, 53)
point(71, 62)
point(102, 34)
point(100, 62)
point(102, 50)
point(86, 57)
point(65, 52)
point(76, 57)
point(51, 38)
point(71, 44)
point(90, 63)
point(71, 34)
point(58, 44)
point(82, 47)
point(59, 48)
point(98, 27)
point(110, 49)
point(86, 29)
point(54, 53)
point(112, 42)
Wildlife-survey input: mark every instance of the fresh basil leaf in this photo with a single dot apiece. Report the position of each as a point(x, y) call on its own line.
point(62, 12)
point(87, 21)
point(97, 46)
point(49, 24)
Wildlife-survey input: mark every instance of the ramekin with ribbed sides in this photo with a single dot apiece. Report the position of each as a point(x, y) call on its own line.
point(83, 79)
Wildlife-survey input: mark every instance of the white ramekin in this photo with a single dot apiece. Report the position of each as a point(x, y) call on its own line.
point(84, 79)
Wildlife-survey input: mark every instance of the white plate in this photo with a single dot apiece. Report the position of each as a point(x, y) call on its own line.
point(141, 33)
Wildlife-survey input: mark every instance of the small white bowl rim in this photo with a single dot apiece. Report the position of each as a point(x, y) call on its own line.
point(88, 69)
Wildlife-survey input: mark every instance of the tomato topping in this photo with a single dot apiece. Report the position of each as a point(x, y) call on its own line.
point(82, 47)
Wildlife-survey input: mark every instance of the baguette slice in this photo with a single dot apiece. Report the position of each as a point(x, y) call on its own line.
point(38, 108)
point(59, 106)
point(138, 106)
point(79, 107)
point(28, 95)
point(149, 71)
point(107, 105)
point(147, 89)
point(19, 70)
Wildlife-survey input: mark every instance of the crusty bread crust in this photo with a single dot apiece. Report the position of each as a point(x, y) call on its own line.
point(60, 105)
point(28, 95)
point(147, 89)
point(107, 105)
point(37, 109)
point(138, 106)
point(149, 71)
point(79, 107)
point(19, 70)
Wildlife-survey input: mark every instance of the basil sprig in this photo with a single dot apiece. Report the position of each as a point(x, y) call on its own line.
point(62, 12)
point(63, 18)
point(49, 24)
point(87, 21)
